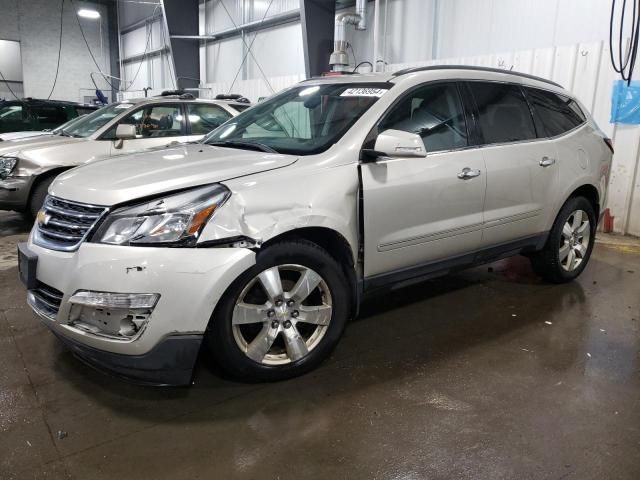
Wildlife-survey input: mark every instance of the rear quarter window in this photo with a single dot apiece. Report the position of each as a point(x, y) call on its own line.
point(557, 113)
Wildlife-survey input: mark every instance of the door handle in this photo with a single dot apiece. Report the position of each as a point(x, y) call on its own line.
point(547, 162)
point(468, 173)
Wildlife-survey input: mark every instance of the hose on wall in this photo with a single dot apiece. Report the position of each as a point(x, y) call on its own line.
point(624, 64)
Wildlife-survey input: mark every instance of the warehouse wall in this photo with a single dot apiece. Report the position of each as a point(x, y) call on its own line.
point(419, 30)
point(221, 61)
point(35, 23)
point(153, 70)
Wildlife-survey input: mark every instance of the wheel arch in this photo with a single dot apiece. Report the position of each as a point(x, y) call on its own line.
point(590, 193)
point(335, 244)
point(52, 172)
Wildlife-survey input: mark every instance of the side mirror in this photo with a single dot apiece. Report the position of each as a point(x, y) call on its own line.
point(397, 144)
point(124, 132)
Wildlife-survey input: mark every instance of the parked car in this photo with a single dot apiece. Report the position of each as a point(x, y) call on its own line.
point(28, 134)
point(263, 239)
point(31, 114)
point(27, 169)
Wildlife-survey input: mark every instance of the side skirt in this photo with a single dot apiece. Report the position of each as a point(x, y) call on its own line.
point(416, 274)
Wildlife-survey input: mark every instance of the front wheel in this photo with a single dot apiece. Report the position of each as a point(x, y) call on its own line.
point(283, 316)
point(570, 242)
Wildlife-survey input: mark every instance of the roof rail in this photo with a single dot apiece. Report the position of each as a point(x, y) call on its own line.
point(236, 97)
point(473, 68)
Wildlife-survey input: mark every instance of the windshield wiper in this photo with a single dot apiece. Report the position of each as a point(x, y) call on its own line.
point(248, 145)
point(64, 133)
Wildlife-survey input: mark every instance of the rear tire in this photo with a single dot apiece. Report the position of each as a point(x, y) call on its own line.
point(282, 317)
point(38, 194)
point(570, 242)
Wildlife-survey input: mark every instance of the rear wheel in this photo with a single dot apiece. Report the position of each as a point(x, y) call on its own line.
point(282, 317)
point(570, 242)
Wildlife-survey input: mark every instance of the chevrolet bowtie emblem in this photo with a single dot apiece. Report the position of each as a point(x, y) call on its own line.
point(43, 218)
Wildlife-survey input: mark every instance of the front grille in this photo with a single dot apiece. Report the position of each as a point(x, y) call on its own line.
point(46, 300)
point(63, 225)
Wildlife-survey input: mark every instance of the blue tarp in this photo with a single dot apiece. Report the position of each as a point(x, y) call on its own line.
point(625, 103)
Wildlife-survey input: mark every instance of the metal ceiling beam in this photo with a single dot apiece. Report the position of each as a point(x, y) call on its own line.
point(275, 20)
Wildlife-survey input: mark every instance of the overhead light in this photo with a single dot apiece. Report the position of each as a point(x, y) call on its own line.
point(86, 13)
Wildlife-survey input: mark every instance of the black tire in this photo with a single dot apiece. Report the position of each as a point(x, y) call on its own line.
point(220, 337)
point(38, 194)
point(547, 263)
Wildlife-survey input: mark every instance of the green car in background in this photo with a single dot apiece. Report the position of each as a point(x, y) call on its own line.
point(37, 115)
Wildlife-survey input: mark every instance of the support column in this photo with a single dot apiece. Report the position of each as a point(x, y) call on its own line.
point(318, 24)
point(182, 19)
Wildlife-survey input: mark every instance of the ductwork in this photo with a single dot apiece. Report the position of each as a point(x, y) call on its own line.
point(339, 58)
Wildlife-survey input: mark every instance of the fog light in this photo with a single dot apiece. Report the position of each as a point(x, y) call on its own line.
point(117, 316)
point(115, 300)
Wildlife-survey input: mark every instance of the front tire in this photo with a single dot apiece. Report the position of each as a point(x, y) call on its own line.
point(38, 194)
point(570, 242)
point(283, 316)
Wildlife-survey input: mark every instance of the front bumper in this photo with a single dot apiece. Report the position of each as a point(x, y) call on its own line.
point(14, 193)
point(190, 282)
point(170, 362)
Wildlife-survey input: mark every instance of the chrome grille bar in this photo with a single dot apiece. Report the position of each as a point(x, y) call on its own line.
point(63, 225)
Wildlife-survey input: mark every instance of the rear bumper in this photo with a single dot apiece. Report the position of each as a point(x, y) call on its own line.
point(170, 362)
point(14, 192)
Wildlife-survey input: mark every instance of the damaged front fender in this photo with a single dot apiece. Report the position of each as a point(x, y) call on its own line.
point(264, 206)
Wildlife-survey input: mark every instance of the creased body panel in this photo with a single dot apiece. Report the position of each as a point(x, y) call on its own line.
point(264, 206)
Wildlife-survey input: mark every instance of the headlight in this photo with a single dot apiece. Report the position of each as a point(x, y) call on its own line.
point(7, 164)
point(176, 220)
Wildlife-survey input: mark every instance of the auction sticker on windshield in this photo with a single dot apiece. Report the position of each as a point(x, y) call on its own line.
point(363, 92)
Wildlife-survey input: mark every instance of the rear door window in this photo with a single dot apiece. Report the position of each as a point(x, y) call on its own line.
point(558, 114)
point(203, 118)
point(49, 116)
point(503, 113)
point(434, 112)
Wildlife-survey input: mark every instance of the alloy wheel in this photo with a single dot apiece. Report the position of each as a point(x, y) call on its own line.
point(574, 242)
point(282, 314)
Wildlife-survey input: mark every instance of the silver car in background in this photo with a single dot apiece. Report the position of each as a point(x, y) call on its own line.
point(261, 241)
point(28, 166)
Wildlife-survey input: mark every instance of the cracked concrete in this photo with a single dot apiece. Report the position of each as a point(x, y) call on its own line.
point(459, 377)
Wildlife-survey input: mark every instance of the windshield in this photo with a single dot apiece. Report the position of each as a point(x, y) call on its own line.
point(89, 124)
point(303, 120)
point(11, 112)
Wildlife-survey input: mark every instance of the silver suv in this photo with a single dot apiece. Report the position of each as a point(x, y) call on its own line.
point(261, 241)
point(27, 167)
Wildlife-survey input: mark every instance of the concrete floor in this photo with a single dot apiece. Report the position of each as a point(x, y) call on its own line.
point(485, 374)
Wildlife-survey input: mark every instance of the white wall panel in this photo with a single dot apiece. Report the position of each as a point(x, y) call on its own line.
point(564, 65)
point(278, 50)
point(223, 60)
point(474, 27)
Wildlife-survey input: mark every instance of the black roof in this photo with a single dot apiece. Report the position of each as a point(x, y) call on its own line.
point(53, 102)
point(473, 68)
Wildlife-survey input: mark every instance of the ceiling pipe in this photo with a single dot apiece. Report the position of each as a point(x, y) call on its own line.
point(339, 60)
point(376, 36)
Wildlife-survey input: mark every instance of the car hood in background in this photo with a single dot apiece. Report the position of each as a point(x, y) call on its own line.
point(37, 148)
point(128, 177)
point(21, 135)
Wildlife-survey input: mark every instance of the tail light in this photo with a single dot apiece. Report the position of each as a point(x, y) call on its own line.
point(609, 143)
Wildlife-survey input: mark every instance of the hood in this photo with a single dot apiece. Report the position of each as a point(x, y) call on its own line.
point(21, 135)
point(19, 144)
point(43, 152)
point(128, 177)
